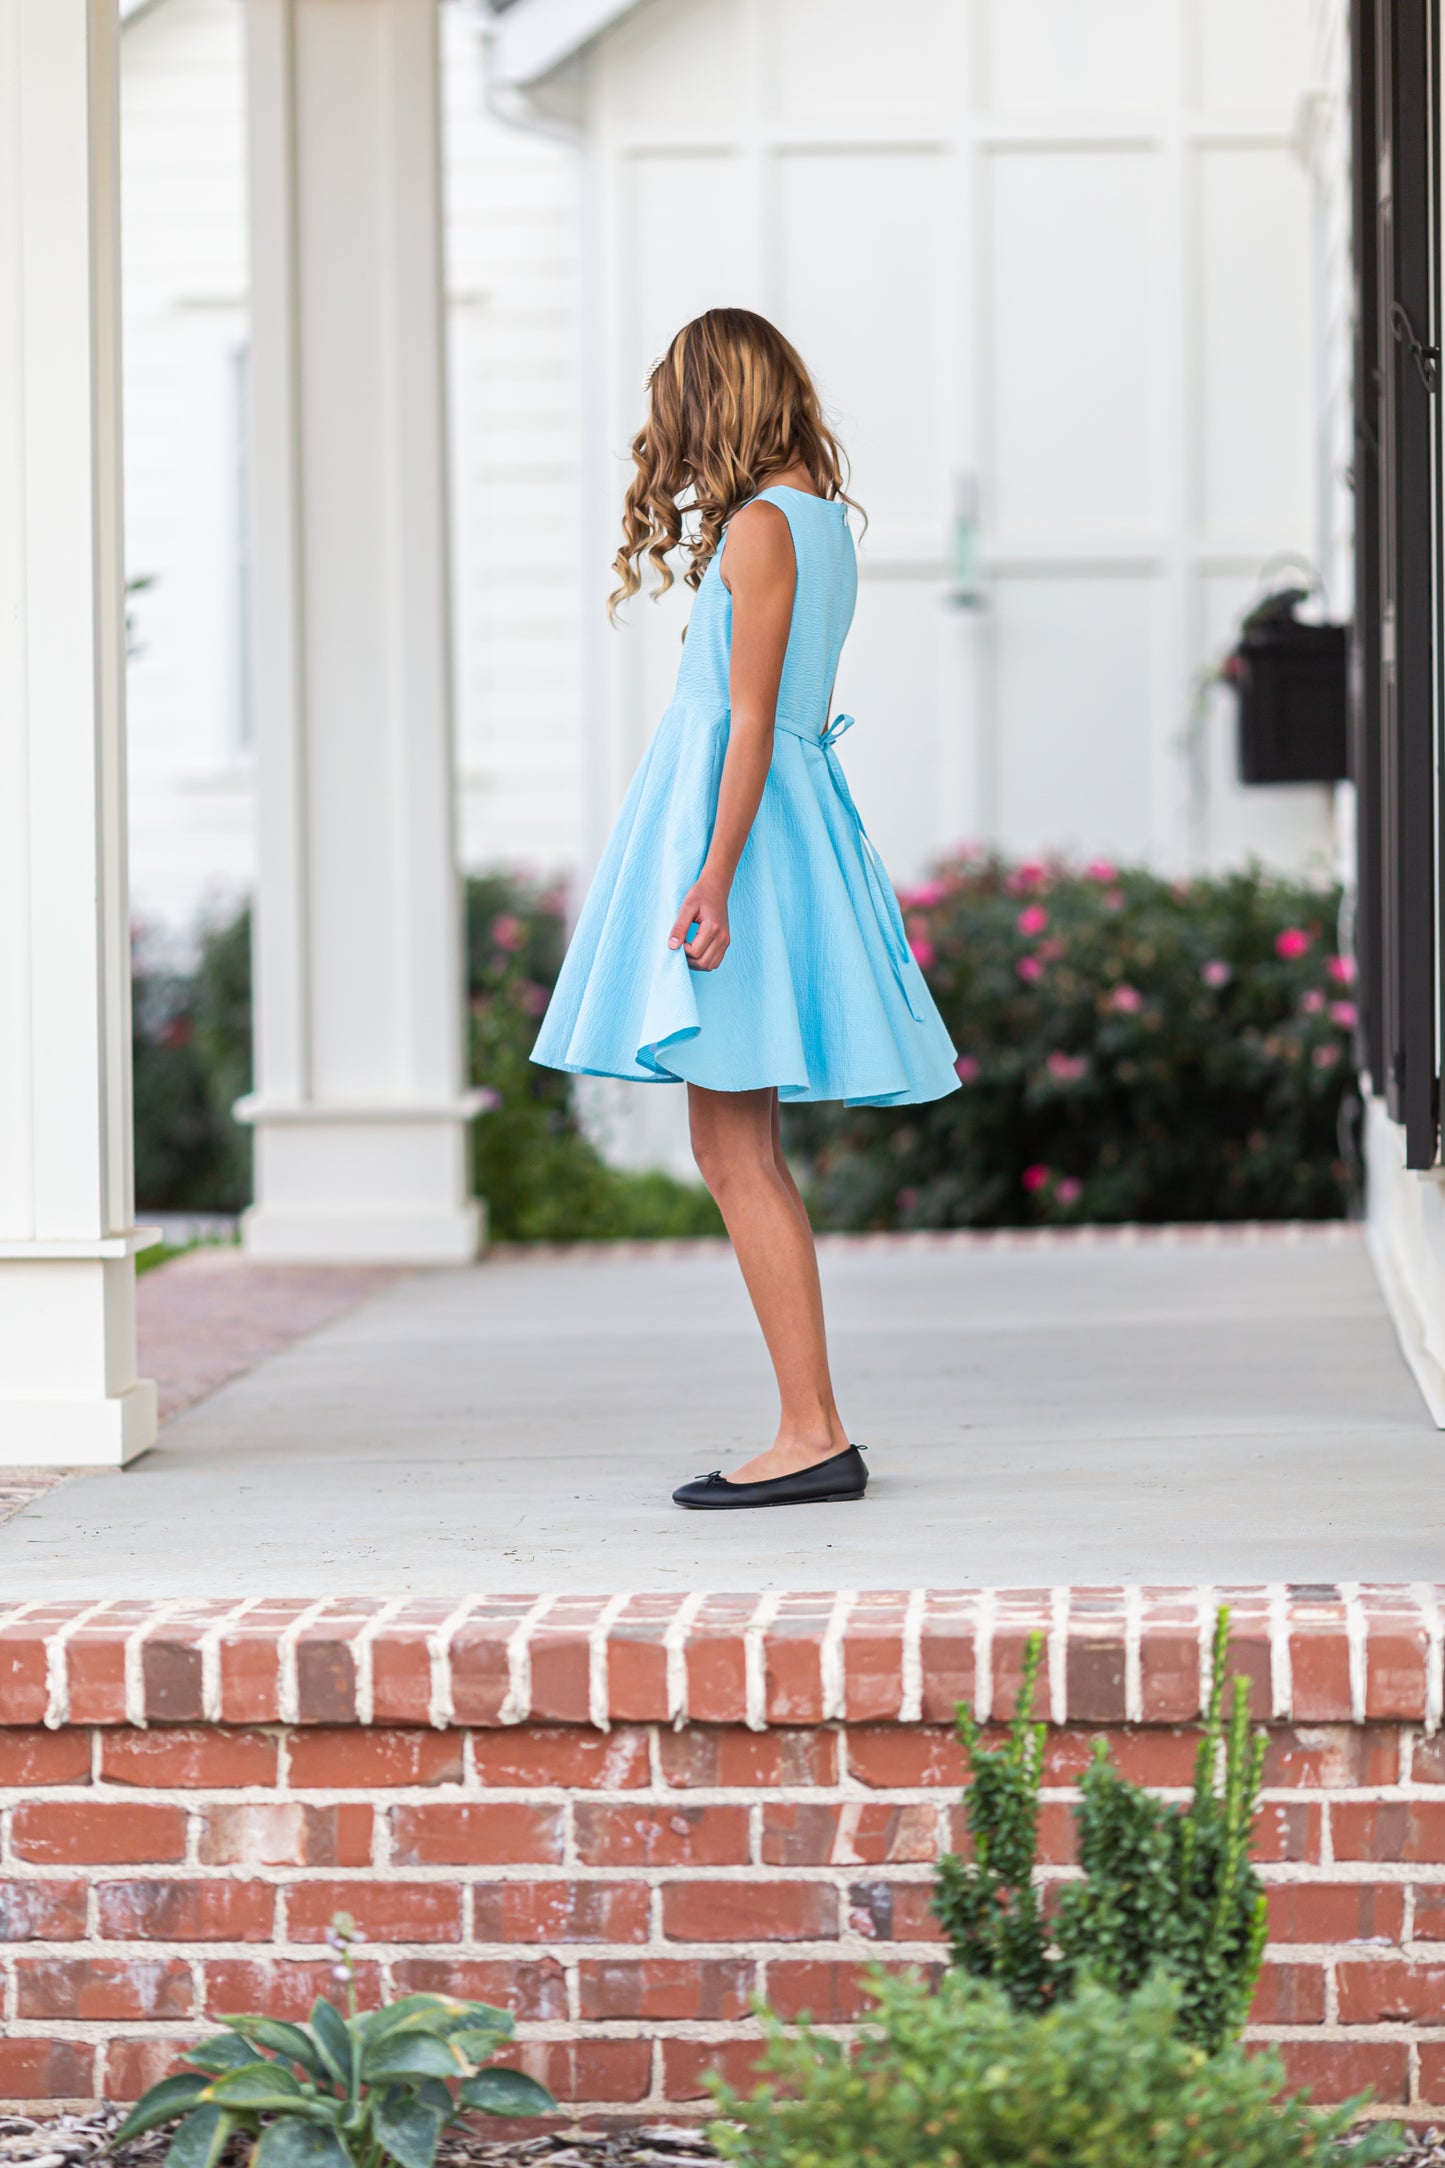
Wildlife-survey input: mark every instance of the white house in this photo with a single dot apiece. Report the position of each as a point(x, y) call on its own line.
point(1074, 279)
point(1056, 267)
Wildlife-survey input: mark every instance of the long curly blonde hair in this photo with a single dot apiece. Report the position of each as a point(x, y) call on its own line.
point(729, 404)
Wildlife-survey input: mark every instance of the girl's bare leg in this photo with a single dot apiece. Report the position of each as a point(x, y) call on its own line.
point(738, 1149)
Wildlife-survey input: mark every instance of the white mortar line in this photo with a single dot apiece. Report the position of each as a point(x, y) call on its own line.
point(288, 1685)
point(831, 1672)
point(517, 1706)
point(983, 1655)
point(1355, 1639)
point(1133, 1654)
point(1208, 1614)
point(211, 1658)
point(755, 1668)
point(1057, 1654)
point(135, 1688)
point(1281, 1678)
point(674, 1643)
point(598, 1707)
point(57, 1675)
point(361, 1657)
point(910, 1707)
point(1428, 1598)
point(441, 1709)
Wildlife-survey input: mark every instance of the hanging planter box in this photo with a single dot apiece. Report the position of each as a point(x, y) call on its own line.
point(1292, 684)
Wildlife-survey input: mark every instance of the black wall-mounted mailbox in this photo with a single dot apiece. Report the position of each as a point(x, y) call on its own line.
point(1292, 683)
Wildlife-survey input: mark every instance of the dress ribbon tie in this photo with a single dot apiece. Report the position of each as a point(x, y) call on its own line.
point(880, 888)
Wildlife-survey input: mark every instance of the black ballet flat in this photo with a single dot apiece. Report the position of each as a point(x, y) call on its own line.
point(844, 1475)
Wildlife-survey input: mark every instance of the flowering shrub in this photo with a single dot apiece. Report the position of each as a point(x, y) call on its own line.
point(1130, 1048)
point(191, 1060)
point(542, 1178)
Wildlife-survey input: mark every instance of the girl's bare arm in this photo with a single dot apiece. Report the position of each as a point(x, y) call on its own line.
point(760, 575)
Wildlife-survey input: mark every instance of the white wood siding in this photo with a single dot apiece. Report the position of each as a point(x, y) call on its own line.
point(1058, 255)
point(512, 264)
point(1065, 254)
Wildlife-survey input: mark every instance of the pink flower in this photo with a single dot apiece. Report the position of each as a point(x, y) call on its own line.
point(1345, 1014)
point(534, 998)
point(1031, 874)
point(1325, 1057)
point(508, 932)
point(1069, 1190)
point(923, 950)
point(1216, 972)
point(488, 1100)
point(906, 1199)
point(1127, 1000)
point(1312, 1002)
point(924, 896)
point(1032, 919)
point(1102, 870)
point(967, 1069)
point(1067, 1068)
point(1029, 969)
point(1036, 1178)
point(1293, 942)
point(1341, 969)
point(1114, 899)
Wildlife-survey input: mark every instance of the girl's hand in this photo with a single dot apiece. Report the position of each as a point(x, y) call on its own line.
point(705, 906)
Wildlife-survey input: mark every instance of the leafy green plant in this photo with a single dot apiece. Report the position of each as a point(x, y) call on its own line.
point(1164, 1888)
point(989, 1904)
point(959, 2078)
point(1130, 1048)
point(342, 2091)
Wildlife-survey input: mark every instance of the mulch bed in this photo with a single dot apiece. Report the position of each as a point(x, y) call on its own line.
point(69, 2141)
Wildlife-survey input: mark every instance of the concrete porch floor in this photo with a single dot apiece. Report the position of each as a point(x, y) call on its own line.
point(1169, 1409)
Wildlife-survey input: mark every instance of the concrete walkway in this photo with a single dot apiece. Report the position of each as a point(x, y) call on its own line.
point(1169, 1410)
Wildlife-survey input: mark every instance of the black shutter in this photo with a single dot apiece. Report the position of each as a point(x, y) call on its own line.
point(1407, 364)
point(1365, 473)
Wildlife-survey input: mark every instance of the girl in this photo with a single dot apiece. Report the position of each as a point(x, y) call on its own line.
point(741, 933)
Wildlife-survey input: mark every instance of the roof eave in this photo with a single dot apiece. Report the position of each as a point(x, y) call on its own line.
point(535, 36)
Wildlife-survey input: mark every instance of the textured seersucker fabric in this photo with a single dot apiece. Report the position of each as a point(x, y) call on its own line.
point(819, 993)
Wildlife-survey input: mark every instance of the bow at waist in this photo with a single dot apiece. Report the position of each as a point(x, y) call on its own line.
point(880, 888)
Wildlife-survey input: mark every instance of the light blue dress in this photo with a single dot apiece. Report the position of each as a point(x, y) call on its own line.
point(819, 993)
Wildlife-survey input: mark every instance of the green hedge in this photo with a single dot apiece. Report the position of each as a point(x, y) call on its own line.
point(1130, 1049)
point(542, 1179)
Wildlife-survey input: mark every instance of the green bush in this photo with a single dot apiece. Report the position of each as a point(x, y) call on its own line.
point(191, 1057)
point(542, 1179)
point(1164, 1888)
point(1130, 1048)
point(958, 2078)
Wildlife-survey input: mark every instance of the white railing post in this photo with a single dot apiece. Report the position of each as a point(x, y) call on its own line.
point(359, 1111)
point(68, 1389)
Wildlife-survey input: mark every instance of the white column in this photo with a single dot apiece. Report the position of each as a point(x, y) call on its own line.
point(68, 1389)
point(359, 1111)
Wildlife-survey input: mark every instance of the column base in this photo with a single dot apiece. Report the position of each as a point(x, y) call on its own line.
point(274, 1235)
point(356, 1184)
point(78, 1433)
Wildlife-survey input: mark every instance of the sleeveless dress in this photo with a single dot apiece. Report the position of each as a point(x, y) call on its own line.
point(819, 994)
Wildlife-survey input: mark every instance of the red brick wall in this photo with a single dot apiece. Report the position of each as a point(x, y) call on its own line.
point(624, 1817)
